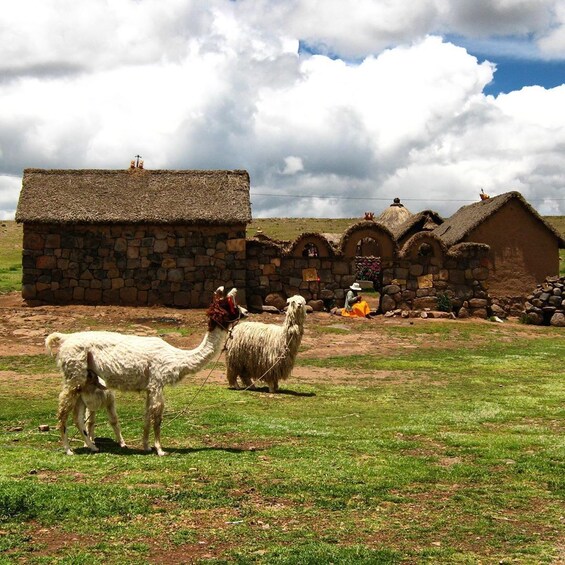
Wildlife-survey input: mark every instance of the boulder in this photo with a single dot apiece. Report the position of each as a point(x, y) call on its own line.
point(425, 302)
point(275, 300)
point(387, 303)
point(316, 305)
point(558, 320)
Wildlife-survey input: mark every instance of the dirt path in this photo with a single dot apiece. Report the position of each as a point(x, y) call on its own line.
point(23, 329)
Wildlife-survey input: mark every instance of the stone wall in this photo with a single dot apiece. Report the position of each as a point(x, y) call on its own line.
point(271, 271)
point(182, 265)
point(179, 265)
point(546, 304)
point(453, 281)
point(456, 278)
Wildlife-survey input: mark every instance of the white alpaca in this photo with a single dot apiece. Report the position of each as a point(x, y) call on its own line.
point(266, 352)
point(128, 362)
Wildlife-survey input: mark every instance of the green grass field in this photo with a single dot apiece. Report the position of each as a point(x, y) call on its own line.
point(452, 452)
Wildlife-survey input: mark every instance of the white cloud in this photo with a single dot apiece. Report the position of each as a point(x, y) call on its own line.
point(292, 165)
point(9, 191)
point(222, 85)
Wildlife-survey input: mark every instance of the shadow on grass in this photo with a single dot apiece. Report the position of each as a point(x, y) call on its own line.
point(265, 389)
point(108, 445)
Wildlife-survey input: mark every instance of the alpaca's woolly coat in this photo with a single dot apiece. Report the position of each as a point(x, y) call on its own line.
point(258, 352)
point(129, 362)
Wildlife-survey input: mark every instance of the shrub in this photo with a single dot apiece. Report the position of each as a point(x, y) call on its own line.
point(444, 303)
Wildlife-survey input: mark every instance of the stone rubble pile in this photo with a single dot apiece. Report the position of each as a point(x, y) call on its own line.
point(546, 304)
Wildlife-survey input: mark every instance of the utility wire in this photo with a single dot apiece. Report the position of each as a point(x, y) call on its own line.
point(337, 197)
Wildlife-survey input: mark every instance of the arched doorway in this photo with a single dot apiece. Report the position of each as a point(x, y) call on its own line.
point(368, 264)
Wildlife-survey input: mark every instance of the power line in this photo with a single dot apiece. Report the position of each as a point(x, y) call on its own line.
point(326, 197)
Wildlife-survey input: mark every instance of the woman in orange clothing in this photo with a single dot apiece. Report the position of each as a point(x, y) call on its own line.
point(354, 303)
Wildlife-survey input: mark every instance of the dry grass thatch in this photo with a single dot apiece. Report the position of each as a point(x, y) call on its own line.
point(134, 196)
point(394, 215)
point(427, 220)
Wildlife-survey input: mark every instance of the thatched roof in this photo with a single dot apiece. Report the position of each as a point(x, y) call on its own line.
point(317, 238)
point(427, 220)
point(134, 196)
point(456, 228)
point(394, 215)
point(333, 238)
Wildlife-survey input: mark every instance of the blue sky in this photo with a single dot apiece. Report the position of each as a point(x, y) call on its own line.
point(513, 74)
point(334, 108)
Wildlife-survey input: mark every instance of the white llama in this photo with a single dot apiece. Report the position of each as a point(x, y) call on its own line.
point(128, 362)
point(266, 352)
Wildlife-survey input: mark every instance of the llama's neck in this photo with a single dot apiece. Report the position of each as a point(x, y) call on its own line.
point(195, 359)
point(293, 330)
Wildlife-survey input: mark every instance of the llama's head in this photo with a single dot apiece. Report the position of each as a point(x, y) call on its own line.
point(296, 301)
point(296, 304)
point(224, 311)
point(295, 313)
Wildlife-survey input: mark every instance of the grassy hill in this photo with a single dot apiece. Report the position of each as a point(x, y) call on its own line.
point(10, 256)
point(558, 222)
point(290, 228)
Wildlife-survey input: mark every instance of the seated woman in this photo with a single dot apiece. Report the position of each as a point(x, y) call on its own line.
point(354, 303)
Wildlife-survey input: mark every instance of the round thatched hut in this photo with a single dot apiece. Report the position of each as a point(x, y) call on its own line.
point(394, 215)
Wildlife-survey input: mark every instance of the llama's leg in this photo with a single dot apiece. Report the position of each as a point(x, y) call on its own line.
point(113, 418)
point(79, 418)
point(247, 380)
point(90, 420)
point(67, 400)
point(273, 385)
point(146, 424)
point(232, 377)
point(157, 407)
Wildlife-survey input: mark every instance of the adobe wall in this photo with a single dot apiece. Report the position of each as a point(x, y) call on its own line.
point(523, 251)
point(179, 266)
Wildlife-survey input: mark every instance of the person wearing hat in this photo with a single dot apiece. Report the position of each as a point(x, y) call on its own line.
point(354, 303)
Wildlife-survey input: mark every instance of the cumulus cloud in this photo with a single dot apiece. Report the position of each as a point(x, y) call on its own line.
point(394, 109)
point(292, 165)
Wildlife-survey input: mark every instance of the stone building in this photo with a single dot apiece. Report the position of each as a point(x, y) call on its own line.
point(142, 237)
point(132, 236)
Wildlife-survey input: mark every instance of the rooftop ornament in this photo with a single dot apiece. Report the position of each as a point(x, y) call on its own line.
point(136, 163)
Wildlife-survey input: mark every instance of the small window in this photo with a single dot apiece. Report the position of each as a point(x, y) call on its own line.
point(310, 250)
point(425, 250)
point(367, 246)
